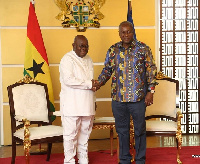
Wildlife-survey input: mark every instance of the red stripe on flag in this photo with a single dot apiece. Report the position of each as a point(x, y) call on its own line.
point(34, 33)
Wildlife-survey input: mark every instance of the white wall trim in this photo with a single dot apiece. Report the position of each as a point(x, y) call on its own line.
point(103, 99)
point(1, 101)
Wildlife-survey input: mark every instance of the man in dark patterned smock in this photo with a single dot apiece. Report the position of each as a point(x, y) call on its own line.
point(133, 84)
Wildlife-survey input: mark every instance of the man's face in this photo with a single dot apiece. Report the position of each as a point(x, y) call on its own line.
point(126, 33)
point(81, 47)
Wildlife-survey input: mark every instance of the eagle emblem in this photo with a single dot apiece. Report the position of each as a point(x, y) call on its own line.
point(80, 14)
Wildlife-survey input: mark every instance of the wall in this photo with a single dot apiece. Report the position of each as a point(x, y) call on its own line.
point(58, 41)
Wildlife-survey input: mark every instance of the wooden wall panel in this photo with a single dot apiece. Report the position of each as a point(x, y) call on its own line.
point(143, 12)
point(13, 43)
point(10, 75)
point(54, 70)
point(148, 37)
point(104, 109)
point(14, 13)
point(7, 125)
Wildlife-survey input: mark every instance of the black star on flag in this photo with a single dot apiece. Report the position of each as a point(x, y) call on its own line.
point(37, 68)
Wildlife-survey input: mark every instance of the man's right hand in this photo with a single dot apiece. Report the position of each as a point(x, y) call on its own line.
point(95, 85)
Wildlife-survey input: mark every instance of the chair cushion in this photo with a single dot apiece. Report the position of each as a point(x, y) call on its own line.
point(104, 119)
point(30, 102)
point(154, 125)
point(40, 132)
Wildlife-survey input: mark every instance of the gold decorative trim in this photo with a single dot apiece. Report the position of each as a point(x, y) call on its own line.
point(27, 141)
point(161, 75)
point(103, 126)
point(179, 136)
point(26, 79)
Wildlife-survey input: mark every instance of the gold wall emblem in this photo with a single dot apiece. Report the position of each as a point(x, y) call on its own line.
point(80, 14)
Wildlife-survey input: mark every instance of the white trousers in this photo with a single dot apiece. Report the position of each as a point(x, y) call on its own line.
point(76, 132)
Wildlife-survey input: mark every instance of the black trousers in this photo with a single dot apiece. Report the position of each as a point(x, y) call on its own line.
point(122, 112)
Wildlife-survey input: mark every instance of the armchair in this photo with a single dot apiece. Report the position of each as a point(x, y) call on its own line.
point(30, 117)
point(163, 117)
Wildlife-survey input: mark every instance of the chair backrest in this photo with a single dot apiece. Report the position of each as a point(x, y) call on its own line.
point(164, 103)
point(30, 101)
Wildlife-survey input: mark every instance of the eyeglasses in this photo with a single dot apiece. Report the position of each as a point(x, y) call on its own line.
point(83, 46)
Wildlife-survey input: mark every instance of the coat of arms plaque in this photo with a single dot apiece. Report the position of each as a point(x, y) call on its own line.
point(80, 14)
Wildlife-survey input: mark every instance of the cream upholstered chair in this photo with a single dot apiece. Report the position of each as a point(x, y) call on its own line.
point(29, 104)
point(163, 117)
point(105, 123)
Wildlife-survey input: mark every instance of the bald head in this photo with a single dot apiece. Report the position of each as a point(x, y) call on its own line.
point(79, 37)
point(80, 45)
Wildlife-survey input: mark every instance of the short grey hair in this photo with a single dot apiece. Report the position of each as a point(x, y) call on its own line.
point(125, 23)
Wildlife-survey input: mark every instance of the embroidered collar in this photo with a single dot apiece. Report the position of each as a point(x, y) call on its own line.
point(131, 46)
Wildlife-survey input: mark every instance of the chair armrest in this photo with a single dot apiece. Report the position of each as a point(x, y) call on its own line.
point(178, 109)
point(19, 118)
point(179, 115)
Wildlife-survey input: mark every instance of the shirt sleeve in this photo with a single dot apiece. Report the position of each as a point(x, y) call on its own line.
point(108, 67)
point(67, 77)
point(151, 70)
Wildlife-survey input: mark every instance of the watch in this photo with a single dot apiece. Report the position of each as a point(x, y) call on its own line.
point(152, 91)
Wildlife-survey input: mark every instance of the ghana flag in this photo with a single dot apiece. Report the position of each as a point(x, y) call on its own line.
point(36, 62)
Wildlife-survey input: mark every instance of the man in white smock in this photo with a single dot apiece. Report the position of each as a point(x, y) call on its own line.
point(77, 100)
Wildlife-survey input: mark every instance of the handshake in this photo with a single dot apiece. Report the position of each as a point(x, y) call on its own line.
point(95, 85)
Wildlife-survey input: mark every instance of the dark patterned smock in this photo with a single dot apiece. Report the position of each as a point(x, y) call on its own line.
point(133, 69)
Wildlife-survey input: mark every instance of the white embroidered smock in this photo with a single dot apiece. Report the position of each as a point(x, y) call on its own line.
point(76, 73)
